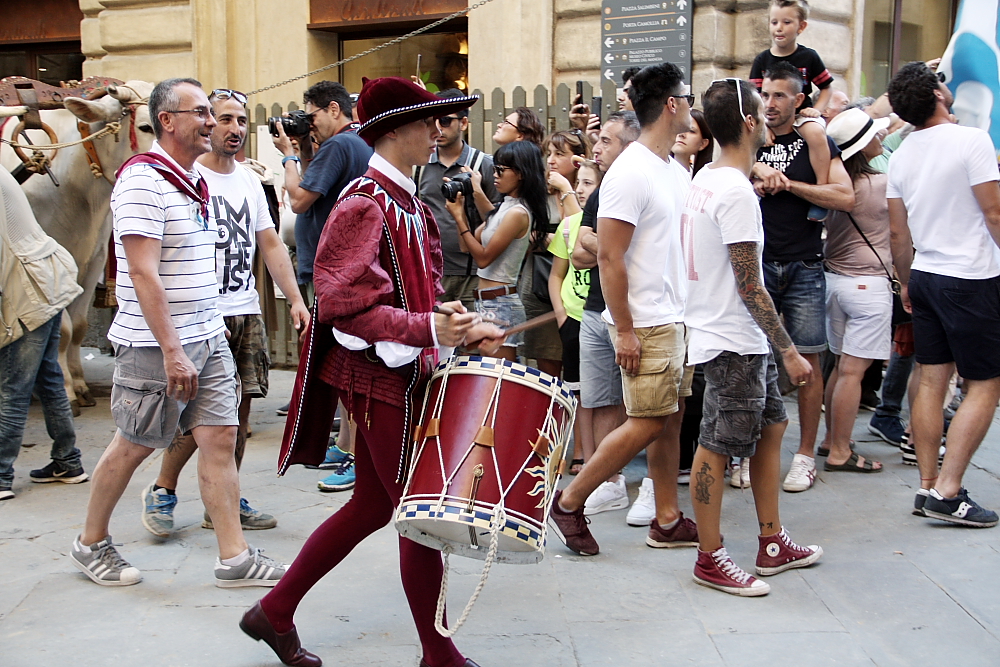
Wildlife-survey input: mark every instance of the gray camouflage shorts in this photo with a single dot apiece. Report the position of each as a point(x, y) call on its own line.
point(741, 397)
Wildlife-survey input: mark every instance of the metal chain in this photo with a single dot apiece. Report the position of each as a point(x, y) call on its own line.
point(374, 48)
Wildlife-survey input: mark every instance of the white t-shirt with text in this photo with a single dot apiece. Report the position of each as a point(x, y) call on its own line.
point(933, 172)
point(238, 207)
point(721, 209)
point(648, 192)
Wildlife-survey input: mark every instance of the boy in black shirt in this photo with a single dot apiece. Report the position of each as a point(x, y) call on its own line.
point(787, 20)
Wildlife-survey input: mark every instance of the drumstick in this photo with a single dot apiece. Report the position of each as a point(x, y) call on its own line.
point(531, 324)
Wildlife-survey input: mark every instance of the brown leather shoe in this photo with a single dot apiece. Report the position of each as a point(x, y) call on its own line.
point(286, 645)
point(468, 663)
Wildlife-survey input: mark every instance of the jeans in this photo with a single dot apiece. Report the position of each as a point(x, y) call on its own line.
point(798, 290)
point(32, 362)
point(897, 375)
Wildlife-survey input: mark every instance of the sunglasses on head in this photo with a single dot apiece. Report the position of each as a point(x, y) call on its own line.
point(228, 93)
point(739, 90)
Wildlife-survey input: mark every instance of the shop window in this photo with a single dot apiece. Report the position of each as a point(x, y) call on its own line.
point(897, 32)
point(50, 62)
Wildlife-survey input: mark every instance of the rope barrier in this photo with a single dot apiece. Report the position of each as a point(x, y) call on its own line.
point(398, 40)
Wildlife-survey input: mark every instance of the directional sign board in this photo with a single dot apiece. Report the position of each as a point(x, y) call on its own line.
point(636, 33)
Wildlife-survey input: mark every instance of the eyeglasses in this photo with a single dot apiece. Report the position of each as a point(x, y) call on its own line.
point(227, 93)
point(501, 123)
point(499, 170)
point(689, 97)
point(203, 113)
point(739, 90)
point(445, 121)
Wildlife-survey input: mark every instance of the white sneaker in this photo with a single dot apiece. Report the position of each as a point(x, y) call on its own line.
point(608, 496)
point(739, 477)
point(644, 508)
point(801, 475)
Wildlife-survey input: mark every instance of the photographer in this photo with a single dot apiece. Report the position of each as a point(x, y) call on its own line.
point(452, 158)
point(341, 157)
point(499, 246)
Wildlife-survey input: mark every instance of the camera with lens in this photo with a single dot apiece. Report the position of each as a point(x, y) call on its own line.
point(460, 183)
point(296, 124)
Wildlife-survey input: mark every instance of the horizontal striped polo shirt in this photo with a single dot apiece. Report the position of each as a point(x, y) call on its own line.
point(144, 203)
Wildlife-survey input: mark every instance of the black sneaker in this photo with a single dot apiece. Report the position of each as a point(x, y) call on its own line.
point(283, 410)
point(54, 472)
point(961, 509)
point(910, 453)
point(918, 502)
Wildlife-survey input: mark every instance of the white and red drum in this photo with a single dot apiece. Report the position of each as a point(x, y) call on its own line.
point(489, 444)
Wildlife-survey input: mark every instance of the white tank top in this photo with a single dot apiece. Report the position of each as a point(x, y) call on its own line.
point(507, 266)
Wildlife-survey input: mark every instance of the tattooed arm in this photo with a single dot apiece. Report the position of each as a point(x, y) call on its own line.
point(750, 285)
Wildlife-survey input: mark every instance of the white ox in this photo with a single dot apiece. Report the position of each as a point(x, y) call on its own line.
point(77, 214)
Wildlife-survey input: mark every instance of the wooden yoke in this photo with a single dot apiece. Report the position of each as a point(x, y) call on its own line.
point(51, 97)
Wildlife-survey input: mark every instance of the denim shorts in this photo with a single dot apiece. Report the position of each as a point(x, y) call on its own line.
point(143, 412)
point(504, 311)
point(957, 320)
point(798, 290)
point(741, 397)
point(600, 376)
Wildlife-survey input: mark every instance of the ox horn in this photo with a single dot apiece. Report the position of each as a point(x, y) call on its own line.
point(118, 94)
point(7, 112)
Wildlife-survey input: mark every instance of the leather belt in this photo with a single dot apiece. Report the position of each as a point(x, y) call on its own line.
point(494, 292)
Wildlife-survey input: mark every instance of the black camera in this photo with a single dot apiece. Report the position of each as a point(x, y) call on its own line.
point(460, 183)
point(296, 124)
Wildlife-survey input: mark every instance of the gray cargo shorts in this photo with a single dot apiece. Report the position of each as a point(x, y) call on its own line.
point(143, 412)
point(741, 397)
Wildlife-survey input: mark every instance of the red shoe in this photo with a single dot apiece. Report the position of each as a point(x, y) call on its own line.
point(717, 570)
point(571, 528)
point(684, 534)
point(778, 553)
point(285, 645)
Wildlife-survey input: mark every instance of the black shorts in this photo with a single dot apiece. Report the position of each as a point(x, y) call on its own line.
point(957, 320)
point(569, 333)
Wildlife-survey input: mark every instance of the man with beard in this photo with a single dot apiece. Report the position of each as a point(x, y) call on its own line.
point(239, 209)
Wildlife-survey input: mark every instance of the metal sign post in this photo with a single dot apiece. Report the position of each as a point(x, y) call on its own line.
point(639, 33)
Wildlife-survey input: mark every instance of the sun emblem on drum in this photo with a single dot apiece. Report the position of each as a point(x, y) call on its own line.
point(539, 473)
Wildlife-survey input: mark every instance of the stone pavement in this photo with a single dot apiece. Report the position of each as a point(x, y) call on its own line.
point(891, 589)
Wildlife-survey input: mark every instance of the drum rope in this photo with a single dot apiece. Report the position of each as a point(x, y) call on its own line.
point(499, 519)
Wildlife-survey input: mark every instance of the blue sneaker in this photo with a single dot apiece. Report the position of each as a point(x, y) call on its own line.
point(889, 429)
point(158, 511)
point(335, 456)
point(342, 478)
point(961, 509)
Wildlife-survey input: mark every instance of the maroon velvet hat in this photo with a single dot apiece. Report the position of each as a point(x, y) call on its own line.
point(390, 102)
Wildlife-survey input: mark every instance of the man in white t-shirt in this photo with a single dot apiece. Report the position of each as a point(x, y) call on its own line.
point(944, 201)
point(239, 209)
point(642, 277)
point(730, 319)
point(172, 364)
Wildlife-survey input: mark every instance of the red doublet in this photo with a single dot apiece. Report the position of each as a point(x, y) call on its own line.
point(377, 271)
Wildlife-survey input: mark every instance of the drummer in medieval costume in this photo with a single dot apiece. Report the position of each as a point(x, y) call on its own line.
point(374, 340)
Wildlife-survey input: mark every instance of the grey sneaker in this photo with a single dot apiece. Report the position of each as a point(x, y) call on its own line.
point(250, 519)
point(103, 564)
point(158, 511)
point(257, 570)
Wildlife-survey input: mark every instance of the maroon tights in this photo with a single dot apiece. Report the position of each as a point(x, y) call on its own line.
point(376, 494)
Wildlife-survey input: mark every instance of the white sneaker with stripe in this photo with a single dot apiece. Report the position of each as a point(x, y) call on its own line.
point(256, 570)
point(103, 564)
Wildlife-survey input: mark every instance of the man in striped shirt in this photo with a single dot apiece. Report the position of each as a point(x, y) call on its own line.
point(172, 364)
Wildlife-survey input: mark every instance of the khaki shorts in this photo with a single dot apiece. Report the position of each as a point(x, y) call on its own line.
point(662, 378)
point(248, 344)
point(460, 288)
point(145, 414)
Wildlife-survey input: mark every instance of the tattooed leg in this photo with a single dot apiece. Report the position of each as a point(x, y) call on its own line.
point(707, 483)
point(174, 459)
point(765, 471)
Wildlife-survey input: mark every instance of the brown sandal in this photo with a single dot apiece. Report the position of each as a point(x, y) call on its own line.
point(851, 465)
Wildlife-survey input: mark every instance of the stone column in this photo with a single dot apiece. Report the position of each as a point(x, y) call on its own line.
point(510, 44)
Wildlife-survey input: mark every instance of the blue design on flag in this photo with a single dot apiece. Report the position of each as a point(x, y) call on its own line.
point(971, 67)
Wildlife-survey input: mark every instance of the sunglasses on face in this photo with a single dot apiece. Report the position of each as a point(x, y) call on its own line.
point(228, 93)
point(499, 170)
point(445, 121)
point(689, 97)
